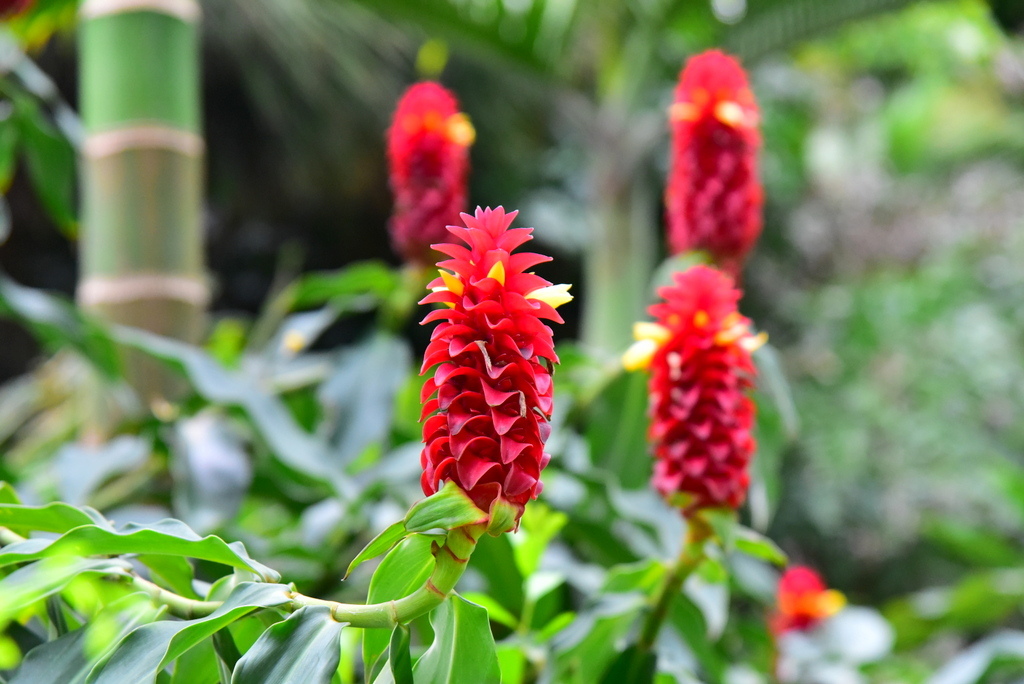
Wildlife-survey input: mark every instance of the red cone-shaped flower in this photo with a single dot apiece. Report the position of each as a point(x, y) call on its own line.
point(803, 601)
point(489, 400)
point(428, 155)
point(698, 352)
point(713, 199)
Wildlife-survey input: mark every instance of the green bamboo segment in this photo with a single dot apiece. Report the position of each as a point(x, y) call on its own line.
point(141, 243)
point(139, 66)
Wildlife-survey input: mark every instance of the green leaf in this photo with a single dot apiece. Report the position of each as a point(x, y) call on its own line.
point(8, 150)
point(304, 648)
point(540, 525)
point(773, 379)
point(495, 611)
point(399, 658)
point(757, 545)
point(55, 517)
point(51, 164)
point(8, 494)
point(167, 537)
point(143, 653)
point(382, 543)
point(295, 447)
point(175, 571)
point(447, 509)
point(358, 398)
point(36, 581)
point(57, 324)
point(368, 277)
point(70, 658)
point(198, 665)
point(631, 666)
point(401, 572)
point(463, 651)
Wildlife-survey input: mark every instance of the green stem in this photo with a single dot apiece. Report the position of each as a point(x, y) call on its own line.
point(689, 559)
point(450, 562)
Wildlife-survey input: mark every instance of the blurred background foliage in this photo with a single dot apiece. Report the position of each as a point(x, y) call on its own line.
point(888, 278)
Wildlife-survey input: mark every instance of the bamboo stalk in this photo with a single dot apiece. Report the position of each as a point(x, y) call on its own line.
point(141, 246)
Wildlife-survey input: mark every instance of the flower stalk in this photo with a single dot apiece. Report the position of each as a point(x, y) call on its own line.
point(450, 561)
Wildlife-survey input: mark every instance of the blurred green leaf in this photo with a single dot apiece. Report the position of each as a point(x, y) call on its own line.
point(304, 648)
point(69, 658)
point(57, 324)
point(631, 666)
point(369, 277)
point(51, 163)
point(757, 545)
point(463, 651)
point(36, 581)
point(143, 653)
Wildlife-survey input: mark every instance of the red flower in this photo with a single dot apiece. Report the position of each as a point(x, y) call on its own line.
point(489, 400)
point(12, 8)
point(698, 353)
point(803, 601)
point(428, 154)
point(713, 199)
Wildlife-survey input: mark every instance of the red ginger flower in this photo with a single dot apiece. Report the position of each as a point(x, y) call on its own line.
point(803, 601)
point(428, 155)
point(713, 199)
point(698, 353)
point(489, 400)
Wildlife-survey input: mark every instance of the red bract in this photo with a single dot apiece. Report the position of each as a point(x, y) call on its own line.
point(713, 199)
point(11, 8)
point(428, 154)
point(489, 400)
point(698, 352)
point(803, 601)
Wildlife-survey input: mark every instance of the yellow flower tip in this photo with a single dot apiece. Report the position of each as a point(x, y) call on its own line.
point(730, 113)
point(639, 355)
point(751, 343)
point(452, 282)
point(700, 319)
point(830, 602)
point(431, 121)
point(459, 130)
point(450, 305)
point(683, 111)
point(651, 331)
point(294, 341)
point(497, 272)
point(553, 295)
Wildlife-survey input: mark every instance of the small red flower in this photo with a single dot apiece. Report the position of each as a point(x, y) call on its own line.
point(428, 154)
point(698, 353)
point(489, 400)
point(12, 8)
point(713, 198)
point(803, 601)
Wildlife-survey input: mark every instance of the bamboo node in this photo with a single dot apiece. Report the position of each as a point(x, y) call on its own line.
point(185, 10)
point(97, 290)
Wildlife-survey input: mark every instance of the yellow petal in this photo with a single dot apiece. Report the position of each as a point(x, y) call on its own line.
point(554, 295)
point(452, 282)
point(651, 331)
point(459, 130)
point(700, 319)
point(639, 355)
point(683, 111)
point(294, 341)
point(752, 343)
point(730, 113)
point(497, 272)
point(830, 602)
